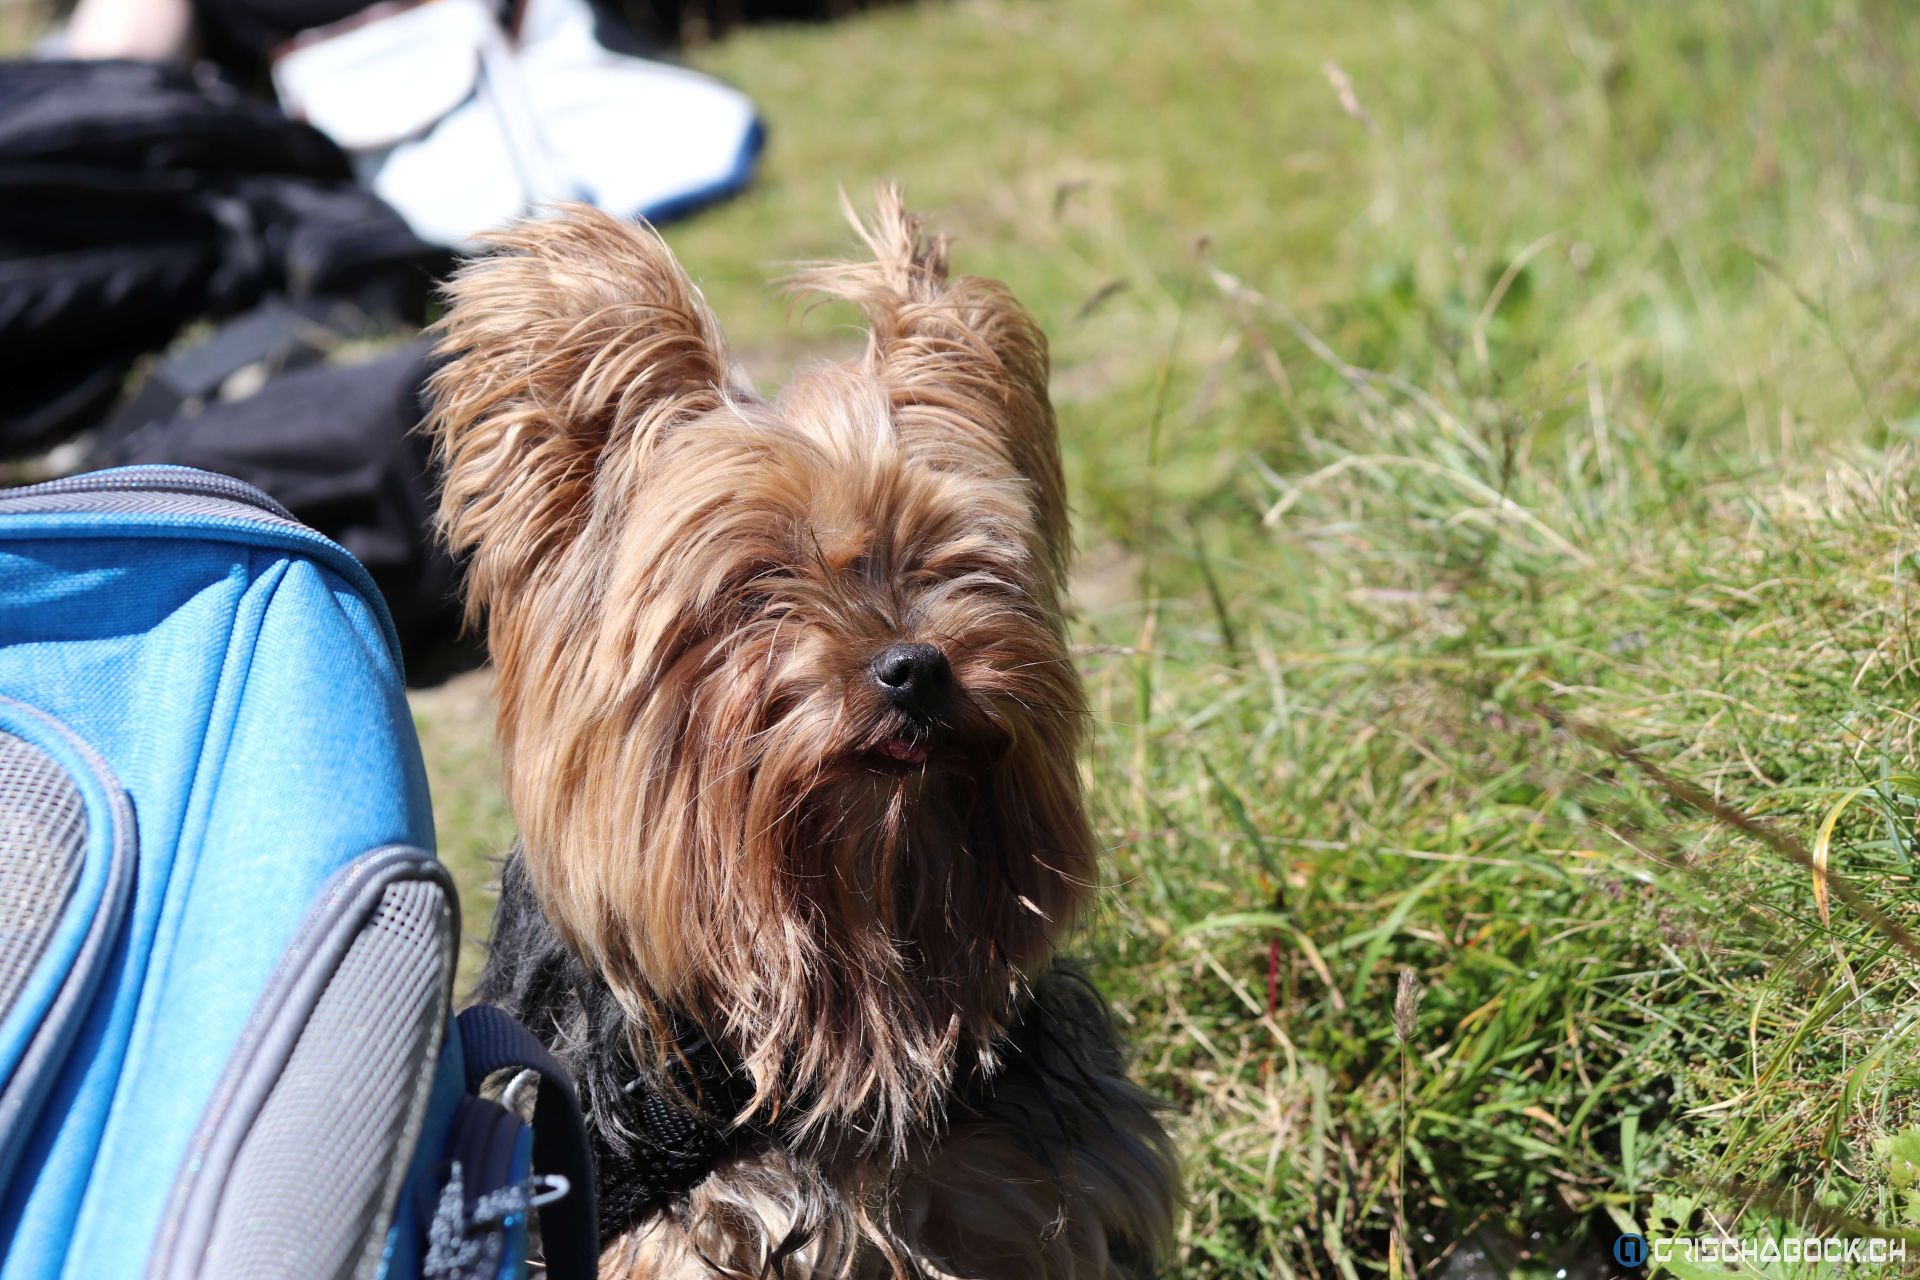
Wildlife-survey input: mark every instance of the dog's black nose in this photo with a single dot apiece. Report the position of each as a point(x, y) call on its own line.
point(913, 676)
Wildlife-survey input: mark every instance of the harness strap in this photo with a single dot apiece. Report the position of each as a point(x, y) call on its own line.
point(569, 1235)
point(652, 1144)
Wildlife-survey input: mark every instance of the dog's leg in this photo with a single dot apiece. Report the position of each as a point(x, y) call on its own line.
point(1006, 1195)
point(763, 1214)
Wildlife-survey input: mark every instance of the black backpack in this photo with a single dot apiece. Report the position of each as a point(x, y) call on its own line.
point(136, 198)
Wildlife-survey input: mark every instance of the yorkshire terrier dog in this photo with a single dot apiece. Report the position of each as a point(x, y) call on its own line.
point(790, 729)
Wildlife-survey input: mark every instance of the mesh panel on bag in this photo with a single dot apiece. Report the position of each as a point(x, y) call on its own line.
point(43, 843)
point(311, 1189)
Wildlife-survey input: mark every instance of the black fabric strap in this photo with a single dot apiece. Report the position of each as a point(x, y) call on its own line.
point(656, 1143)
point(284, 333)
point(569, 1227)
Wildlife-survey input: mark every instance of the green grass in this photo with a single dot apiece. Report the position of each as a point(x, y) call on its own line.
point(1439, 464)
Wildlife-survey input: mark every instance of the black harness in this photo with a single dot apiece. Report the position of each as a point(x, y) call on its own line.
point(652, 1144)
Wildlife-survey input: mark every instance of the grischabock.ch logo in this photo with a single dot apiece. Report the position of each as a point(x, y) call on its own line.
point(1867, 1251)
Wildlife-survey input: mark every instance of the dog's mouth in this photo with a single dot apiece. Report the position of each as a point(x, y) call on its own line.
point(899, 751)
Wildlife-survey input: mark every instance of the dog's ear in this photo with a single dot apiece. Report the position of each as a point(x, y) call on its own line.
point(569, 347)
point(964, 365)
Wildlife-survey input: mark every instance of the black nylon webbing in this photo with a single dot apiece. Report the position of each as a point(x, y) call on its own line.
point(570, 1226)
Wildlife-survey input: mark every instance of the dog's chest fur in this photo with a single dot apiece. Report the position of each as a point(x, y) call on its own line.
point(1055, 1164)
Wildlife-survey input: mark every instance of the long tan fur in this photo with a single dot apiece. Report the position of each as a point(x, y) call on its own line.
point(683, 585)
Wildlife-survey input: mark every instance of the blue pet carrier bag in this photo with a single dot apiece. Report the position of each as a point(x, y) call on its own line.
point(227, 1045)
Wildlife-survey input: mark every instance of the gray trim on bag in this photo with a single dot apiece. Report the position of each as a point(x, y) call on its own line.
point(221, 494)
point(33, 1075)
point(268, 1043)
point(124, 502)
